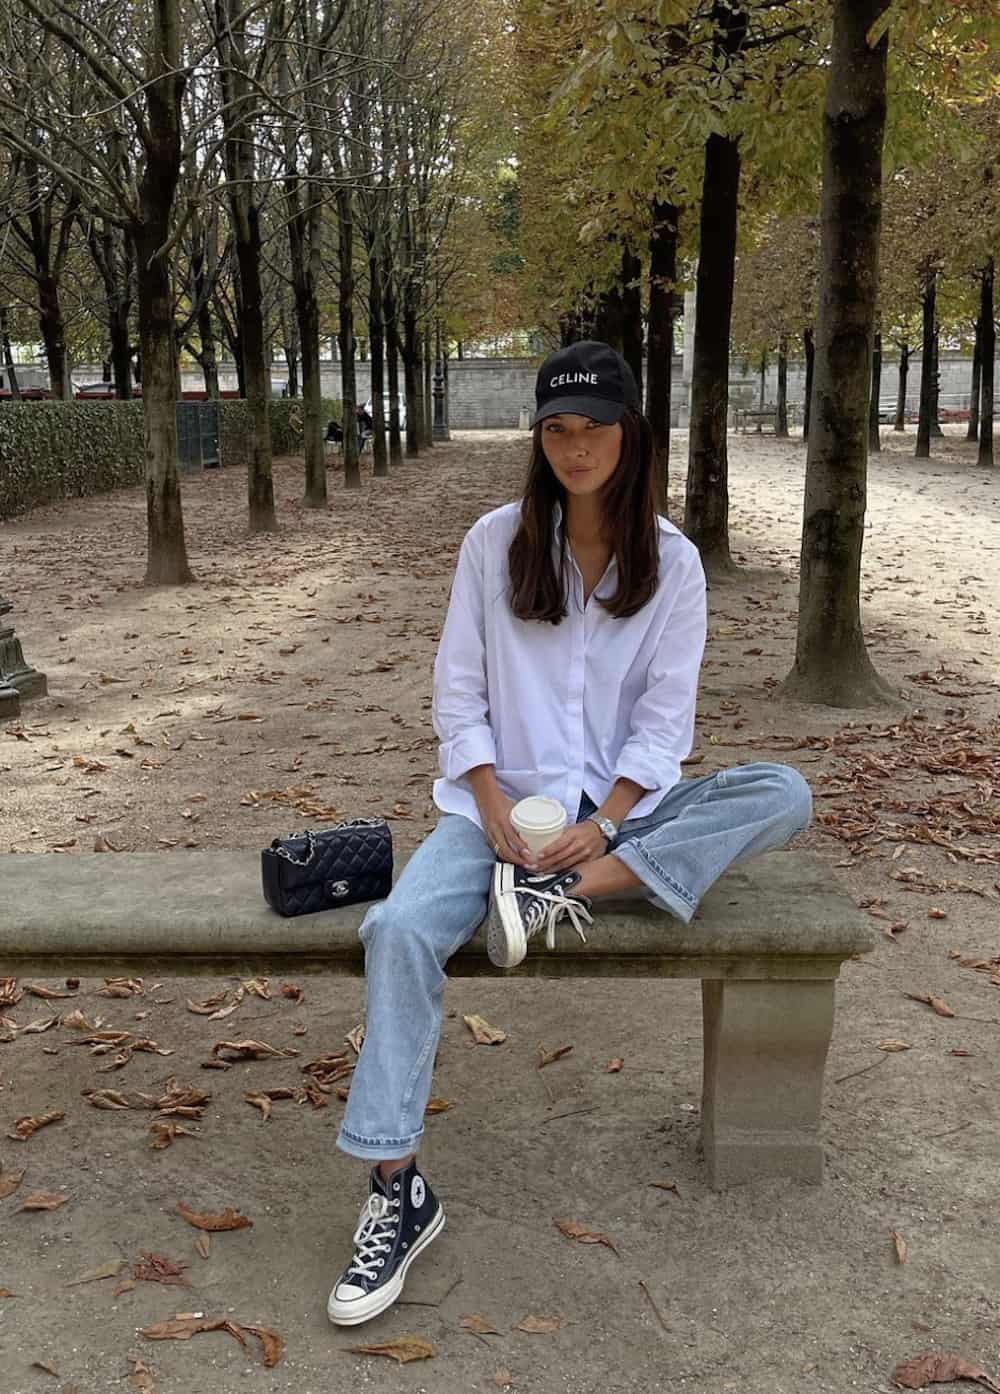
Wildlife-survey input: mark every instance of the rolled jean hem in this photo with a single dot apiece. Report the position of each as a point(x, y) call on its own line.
point(664, 896)
point(374, 1150)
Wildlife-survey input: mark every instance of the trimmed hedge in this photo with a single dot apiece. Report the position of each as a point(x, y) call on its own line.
point(61, 450)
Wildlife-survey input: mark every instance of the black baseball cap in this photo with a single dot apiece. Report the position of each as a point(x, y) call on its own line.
point(585, 379)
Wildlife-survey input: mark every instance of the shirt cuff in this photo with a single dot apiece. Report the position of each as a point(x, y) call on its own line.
point(646, 770)
point(467, 750)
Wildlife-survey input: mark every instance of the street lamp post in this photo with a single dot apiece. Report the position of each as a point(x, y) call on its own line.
point(17, 679)
point(441, 431)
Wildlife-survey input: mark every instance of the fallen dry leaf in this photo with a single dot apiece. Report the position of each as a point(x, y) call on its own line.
point(355, 1038)
point(666, 1186)
point(203, 1244)
point(437, 1106)
point(574, 1230)
point(549, 1057)
point(892, 1045)
point(165, 1133)
point(900, 1246)
point(111, 1269)
point(9, 1182)
point(209, 1005)
point(403, 1349)
point(157, 1268)
point(482, 1032)
point(42, 1200)
point(49, 1366)
point(10, 993)
point(38, 990)
point(479, 1324)
point(613, 1066)
point(183, 1328)
point(293, 992)
point(229, 1219)
point(141, 1376)
point(252, 1050)
point(122, 987)
point(930, 1367)
point(25, 1127)
point(932, 1001)
point(503, 1379)
point(540, 1325)
point(76, 1021)
point(936, 914)
point(6, 1292)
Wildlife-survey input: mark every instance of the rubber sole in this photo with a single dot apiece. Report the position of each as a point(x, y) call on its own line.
point(365, 1308)
point(506, 944)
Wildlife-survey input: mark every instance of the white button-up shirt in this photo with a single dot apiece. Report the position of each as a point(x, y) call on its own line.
point(568, 708)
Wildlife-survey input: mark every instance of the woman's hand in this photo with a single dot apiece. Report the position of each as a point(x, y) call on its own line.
point(494, 810)
point(580, 842)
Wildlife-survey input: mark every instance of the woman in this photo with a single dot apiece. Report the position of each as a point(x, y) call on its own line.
point(568, 666)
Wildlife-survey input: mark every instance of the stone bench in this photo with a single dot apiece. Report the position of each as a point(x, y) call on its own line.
point(767, 944)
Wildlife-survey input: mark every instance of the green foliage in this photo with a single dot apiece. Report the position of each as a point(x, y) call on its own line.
point(62, 450)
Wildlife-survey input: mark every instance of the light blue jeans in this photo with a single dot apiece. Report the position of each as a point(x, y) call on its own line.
point(702, 827)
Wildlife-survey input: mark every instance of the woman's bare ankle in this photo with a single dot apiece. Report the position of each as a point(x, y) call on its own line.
point(385, 1169)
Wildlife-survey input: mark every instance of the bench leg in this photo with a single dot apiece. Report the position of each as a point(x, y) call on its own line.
point(765, 1049)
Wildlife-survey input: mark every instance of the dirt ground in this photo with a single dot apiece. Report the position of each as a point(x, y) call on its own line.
point(289, 686)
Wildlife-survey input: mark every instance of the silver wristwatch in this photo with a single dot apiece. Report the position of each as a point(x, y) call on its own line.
point(606, 826)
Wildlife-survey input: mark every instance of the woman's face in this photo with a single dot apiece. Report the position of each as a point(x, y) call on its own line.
point(582, 454)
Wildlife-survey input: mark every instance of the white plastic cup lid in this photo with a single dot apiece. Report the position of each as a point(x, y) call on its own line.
point(538, 813)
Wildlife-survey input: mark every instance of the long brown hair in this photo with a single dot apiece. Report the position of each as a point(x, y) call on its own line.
point(630, 502)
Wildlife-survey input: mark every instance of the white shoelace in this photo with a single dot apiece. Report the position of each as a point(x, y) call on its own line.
point(374, 1235)
point(561, 904)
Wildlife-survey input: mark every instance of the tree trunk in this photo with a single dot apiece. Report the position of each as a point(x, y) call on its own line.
point(345, 337)
point(632, 315)
point(256, 368)
point(411, 376)
point(924, 415)
point(989, 349)
point(660, 351)
point(427, 418)
point(706, 511)
point(781, 413)
point(809, 345)
point(167, 561)
point(303, 261)
point(52, 327)
point(936, 379)
point(207, 359)
point(380, 455)
point(8, 357)
point(977, 366)
point(832, 665)
point(874, 437)
point(392, 364)
point(904, 366)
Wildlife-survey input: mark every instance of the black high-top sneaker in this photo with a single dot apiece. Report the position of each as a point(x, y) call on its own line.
point(398, 1220)
point(523, 902)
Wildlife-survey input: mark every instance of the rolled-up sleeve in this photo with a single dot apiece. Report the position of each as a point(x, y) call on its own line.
point(662, 724)
point(460, 709)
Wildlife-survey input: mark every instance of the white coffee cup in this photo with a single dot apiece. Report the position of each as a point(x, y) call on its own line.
point(538, 820)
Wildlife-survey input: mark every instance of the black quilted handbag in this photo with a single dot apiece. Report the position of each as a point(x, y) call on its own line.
point(308, 871)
